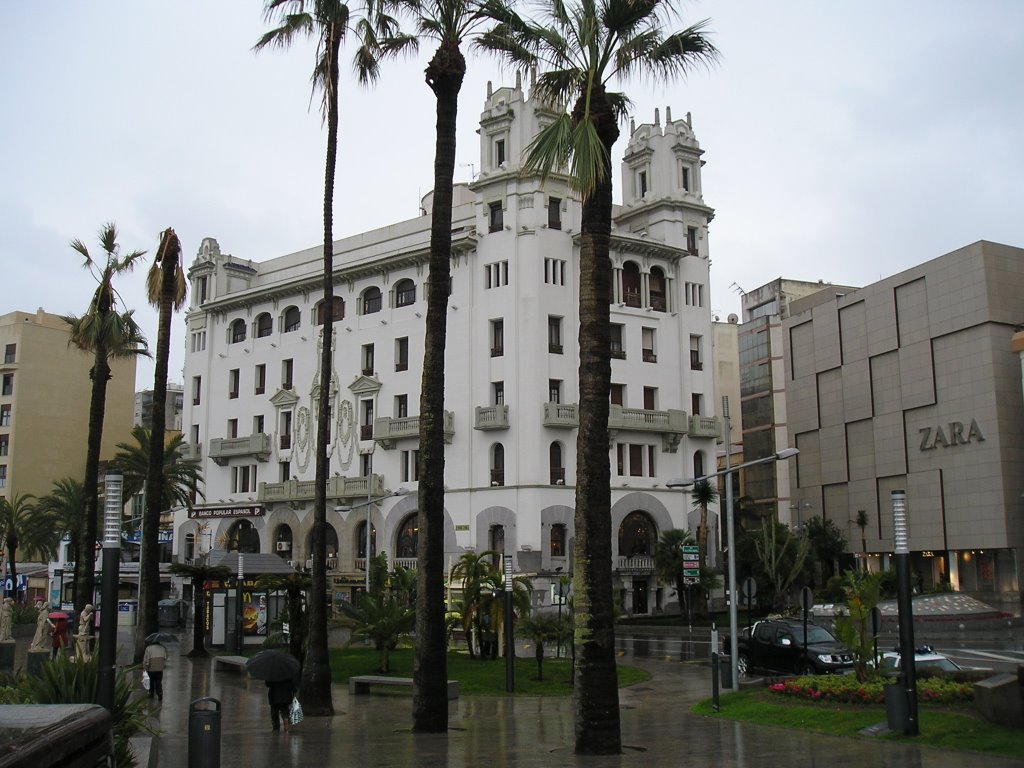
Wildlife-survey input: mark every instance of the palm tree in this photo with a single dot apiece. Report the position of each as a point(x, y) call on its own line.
point(106, 333)
point(584, 45)
point(669, 563)
point(328, 22)
point(22, 525)
point(65, 505)
point(704, 495)
point(295, 586)
point(448, 22)
point(479, 577)
point(383, 619)
point(180, 479)
point(165, 289)
point(200, 574)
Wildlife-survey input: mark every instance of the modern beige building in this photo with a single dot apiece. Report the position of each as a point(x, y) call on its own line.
point(44, 404)
point(912, 383)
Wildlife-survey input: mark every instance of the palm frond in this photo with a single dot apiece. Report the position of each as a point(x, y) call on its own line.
point(551, 148)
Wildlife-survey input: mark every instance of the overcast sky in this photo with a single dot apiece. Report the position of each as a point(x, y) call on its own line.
point(844, 141)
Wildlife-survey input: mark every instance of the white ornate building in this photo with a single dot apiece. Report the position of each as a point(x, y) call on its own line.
point(251, 378)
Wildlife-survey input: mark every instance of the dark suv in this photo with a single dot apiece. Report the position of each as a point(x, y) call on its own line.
point(776, 646)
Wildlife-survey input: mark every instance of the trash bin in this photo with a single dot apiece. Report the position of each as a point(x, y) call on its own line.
point(897, 708)
point(204, 733)
point(725, 665)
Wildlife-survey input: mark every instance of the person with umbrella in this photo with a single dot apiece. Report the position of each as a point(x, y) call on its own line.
point(153, 662)
point(279, 670)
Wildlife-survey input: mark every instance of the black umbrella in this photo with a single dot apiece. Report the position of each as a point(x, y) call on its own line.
point(272, 666)
point(161, 637)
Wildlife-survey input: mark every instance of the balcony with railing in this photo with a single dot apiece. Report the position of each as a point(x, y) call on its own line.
point(637, 565)
point(705, 426)
point(561, 415)
point(257, 445)
point(191, 451)
point(670, 424)
point(387, 431)
point(491, 417)
point(338, 488)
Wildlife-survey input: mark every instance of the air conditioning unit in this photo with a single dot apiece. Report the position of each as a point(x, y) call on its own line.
point(283, 546)
point(309, 564)
point(291, 563)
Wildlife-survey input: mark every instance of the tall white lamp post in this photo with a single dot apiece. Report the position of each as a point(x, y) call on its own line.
point(905, 606)
point(731, 535)
point(112, 511)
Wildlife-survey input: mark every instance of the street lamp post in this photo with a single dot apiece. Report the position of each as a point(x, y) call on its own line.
point(905, 606)
point(730, 532)
point(105, 674)
point(239, 623)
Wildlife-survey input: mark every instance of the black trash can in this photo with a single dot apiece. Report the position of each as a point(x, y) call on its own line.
point(204, 733)
point(897, 708)
point(725, 665)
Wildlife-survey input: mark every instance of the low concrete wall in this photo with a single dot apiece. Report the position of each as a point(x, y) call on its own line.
point(999, 700)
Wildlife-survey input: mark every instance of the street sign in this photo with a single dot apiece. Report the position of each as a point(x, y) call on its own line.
point(806, 599)
point(691, 572)
point(689, 549)
point(691, 580)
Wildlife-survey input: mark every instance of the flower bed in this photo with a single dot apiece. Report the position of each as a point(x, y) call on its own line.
point(846, 689)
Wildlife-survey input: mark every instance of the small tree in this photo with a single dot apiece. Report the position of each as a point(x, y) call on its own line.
point(782, 557)
point(199, 574)
point(827, 542)
point(862, 523)
point(383, 619)
point(540, 630)
point(854, 627)
point(295, 586)
point(669, 563)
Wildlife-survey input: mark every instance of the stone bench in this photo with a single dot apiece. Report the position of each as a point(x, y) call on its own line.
point(361, 684)
point(230, 661)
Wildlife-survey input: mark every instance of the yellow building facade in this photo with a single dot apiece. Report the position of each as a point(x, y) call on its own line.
point(44, 404)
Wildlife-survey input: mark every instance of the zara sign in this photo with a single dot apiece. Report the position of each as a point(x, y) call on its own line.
point(954, 433)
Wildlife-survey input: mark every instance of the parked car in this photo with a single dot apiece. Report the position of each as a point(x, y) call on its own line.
point(777, 646)
point(926, 660)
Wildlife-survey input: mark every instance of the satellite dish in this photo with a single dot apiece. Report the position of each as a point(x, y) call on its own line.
point(733, 318)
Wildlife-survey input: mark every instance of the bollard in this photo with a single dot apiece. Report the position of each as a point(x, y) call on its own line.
point(204, 734)
point(715, 703)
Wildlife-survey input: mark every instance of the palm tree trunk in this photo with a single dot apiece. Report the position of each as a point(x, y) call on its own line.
point(596, 686)
point(316, 672)
point(444, 75)
point(149, 554)
point(85, 558)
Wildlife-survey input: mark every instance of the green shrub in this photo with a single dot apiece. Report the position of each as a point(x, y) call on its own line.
point(70, 680)
point(887, 584)
point(24, 614)
point(834, 591)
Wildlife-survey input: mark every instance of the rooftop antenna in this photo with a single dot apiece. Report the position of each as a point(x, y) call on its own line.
point(737, 288)
point(472, 170)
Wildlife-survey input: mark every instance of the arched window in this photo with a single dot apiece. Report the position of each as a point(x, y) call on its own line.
point(558, 540)
point(636, 535)
point(242, 537)
point(555, 464)
point(498, 464)
point(657, 286)
point(237, 333)
point(190, 546)
point(631, 284)
point(405, 293)
point(264, 325)
point(371, 300)
point(698, 464)
point(408, 533)
point(337, 314)
point(361, 540)
point(292, 319)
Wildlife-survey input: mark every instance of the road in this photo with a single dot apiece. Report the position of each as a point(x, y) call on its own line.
point(999, 655)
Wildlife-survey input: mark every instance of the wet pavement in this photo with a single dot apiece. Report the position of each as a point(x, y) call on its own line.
point(499, 731)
